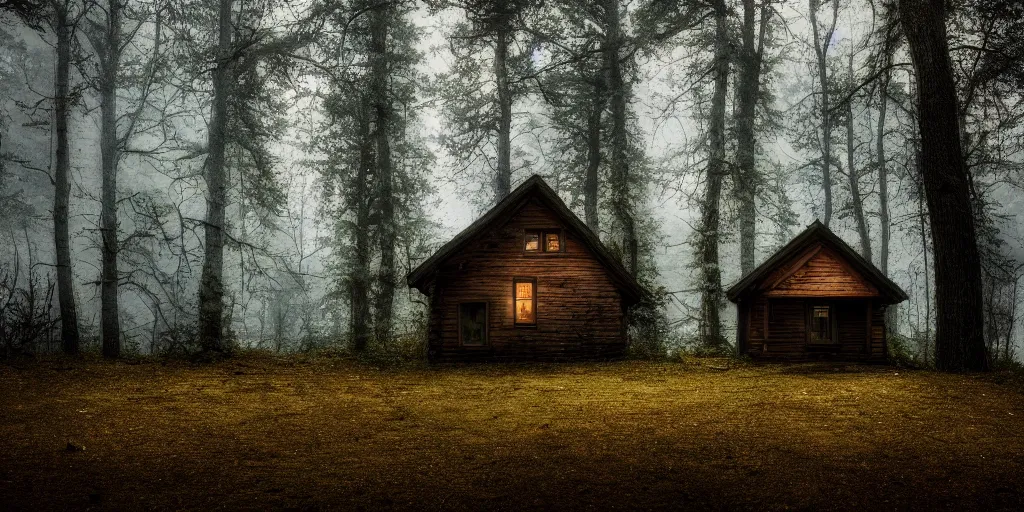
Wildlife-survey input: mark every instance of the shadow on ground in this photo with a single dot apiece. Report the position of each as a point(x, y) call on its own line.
point(333, 434)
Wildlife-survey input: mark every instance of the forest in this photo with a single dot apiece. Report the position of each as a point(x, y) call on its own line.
point(234, 233)
point(198, 177)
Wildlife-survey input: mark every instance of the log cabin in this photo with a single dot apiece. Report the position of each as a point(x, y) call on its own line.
point(816, 298)
point(526, 281)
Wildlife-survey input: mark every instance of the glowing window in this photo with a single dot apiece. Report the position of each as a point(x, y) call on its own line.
point(821, 324)
point(525, 298)
point(552, 242)
point(542, 240)
point(532, 241)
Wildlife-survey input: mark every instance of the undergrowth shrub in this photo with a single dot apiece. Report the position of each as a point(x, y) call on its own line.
point(648, 326)
point(178, 341)
point(901, 351)
point(28, 322)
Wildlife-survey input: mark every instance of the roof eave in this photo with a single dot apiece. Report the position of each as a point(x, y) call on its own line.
point(889, 290)
point(631, 290)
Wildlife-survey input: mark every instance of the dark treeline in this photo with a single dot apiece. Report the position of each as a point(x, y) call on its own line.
point(197, 176)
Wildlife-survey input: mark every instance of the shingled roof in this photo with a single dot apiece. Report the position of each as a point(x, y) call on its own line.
point(815, 233)
point(535, 187)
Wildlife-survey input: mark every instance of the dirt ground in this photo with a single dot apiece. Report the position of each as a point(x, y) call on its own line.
point(333, 434)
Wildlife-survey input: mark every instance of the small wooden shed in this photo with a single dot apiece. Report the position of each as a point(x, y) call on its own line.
point(527, 281)
point(816, 298)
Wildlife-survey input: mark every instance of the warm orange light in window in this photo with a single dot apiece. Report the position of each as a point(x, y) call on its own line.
point(524, 303)
point(551, 242)
point(524, 291)
point(532, 242)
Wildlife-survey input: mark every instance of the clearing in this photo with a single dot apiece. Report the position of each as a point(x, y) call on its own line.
point(258, 433)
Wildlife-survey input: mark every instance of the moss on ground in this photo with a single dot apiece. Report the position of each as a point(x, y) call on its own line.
point(259, 433)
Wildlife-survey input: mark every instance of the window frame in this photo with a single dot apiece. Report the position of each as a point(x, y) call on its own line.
point(542, 234)
point(516, 299)
point(487, 323)
point(540, 241)
point(833, 324)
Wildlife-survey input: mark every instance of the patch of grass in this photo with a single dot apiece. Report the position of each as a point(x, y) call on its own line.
point(257, 432)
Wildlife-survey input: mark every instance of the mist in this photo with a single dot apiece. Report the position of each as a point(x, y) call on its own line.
point(315, 252)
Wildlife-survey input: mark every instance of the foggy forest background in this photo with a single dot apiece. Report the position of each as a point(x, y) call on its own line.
point(339, 142)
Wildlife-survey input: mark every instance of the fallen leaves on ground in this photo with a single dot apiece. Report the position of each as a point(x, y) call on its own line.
point(259, 433)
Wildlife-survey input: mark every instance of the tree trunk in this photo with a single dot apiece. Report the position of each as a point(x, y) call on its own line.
point(1013, 319)
point(359, 276)
point(959, 336)
point(591, 184)
point(109, 62)
point(921, 216)
point(855, 197)
point(883, 178)
point(745, 176)
point(621, 200)
point(821, 52)
point(242, 235)
point(503, 178)
point(385, 200)
point(62, 183)
point(710, 326)
point(211, 286)
point(883, 190)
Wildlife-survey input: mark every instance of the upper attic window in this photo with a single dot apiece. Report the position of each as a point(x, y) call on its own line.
point(543, 241)
point(532, 241)
point(552, 242)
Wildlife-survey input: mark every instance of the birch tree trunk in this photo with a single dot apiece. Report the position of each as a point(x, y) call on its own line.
point(211, 286)
point(503, 178)
point(69, 334)
point(385, 200)
point(109, 62)
point(710, 326)
point(959, 336)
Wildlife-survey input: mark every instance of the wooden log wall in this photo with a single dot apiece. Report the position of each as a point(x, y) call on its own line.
point(579, 309)
point(779, 331)
point(820, 273)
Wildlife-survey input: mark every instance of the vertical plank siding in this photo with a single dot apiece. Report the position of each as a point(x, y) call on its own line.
point(580, 312)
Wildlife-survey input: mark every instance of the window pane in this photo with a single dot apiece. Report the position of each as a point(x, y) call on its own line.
point(551, 242)
point(524, 297)
point(821, 327)
point(524, 290)
point(524, 311)
point(473, 323)
point(532, 241)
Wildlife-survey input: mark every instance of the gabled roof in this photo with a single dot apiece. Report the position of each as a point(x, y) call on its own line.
point(819, 233)
point(535, 187)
